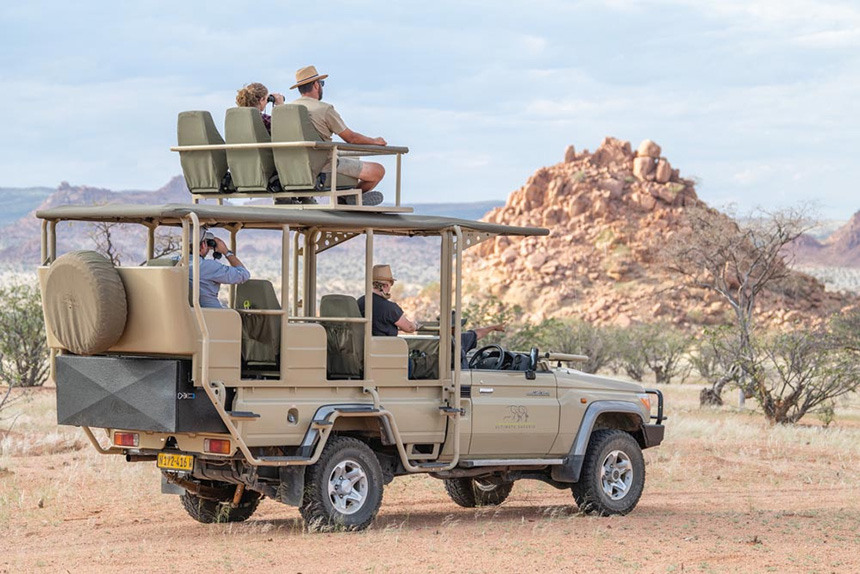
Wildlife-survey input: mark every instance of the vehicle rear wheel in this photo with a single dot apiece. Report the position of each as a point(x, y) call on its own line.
point(343, 490)
point(472, 492)
point(209, 511)
point(613, 474)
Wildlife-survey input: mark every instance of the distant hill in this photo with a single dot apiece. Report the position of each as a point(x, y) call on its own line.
point(20, 234)
point(474, 210)
point(19, 201)
point(609, 213)
point(839, 249)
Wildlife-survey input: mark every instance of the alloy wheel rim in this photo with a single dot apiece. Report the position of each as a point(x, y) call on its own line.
point(347, 487)
point(616, 475)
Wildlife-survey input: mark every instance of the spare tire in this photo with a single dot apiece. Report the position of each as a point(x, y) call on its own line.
point(85, 302)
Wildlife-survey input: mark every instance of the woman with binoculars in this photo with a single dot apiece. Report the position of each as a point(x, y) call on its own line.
point(257, 95)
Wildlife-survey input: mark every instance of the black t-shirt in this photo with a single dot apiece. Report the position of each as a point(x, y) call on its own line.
point(468, 341)
point(385, 315)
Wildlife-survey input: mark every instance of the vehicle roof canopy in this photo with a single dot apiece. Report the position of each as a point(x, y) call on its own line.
point(267, 217)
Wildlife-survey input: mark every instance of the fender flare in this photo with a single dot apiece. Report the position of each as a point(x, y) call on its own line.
point(569, 470)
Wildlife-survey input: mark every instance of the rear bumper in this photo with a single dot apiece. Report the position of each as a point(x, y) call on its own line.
point(652, 435)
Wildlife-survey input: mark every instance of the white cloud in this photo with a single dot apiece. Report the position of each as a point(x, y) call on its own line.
point(484, 93)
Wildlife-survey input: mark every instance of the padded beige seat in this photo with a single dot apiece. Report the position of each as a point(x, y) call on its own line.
point(261, 334)
point(299, 168)
point(252, 169)
point(345, 341)
point(204, 171)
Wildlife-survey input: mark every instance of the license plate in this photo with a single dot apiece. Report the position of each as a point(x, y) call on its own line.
point(175, 461)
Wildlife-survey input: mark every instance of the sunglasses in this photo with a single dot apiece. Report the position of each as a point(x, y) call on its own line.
point(322, 83)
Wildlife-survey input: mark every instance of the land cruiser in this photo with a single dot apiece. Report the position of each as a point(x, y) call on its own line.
point(287, 394)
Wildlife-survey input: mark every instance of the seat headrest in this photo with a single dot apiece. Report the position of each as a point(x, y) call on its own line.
point(337, 305)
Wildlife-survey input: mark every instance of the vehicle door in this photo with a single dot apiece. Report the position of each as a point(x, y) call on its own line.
point(512, 414)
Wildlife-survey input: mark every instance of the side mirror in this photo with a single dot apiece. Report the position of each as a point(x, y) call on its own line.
point(533, 360)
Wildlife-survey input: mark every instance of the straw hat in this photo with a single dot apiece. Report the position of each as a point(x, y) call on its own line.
point(383, 273)
point(307, 75)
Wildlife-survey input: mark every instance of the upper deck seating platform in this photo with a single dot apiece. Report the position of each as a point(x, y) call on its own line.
point(285, 166)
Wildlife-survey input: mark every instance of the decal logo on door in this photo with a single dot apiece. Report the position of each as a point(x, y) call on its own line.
point(517, 419)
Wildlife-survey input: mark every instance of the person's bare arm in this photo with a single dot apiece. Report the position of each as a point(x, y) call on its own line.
point(482, 332)
point(352, 137)
point(406, 325)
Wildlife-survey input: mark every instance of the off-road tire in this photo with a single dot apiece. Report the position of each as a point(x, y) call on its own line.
point(349, 464)
point(470, 492)
point(211, 511)
point(613, 474)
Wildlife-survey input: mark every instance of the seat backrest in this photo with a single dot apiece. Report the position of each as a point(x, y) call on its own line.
point(162, 262)
point(345, 341)
point(297, 167)
point(261, 334)
point(251, 168)
point(203, 170)
point(256, 294)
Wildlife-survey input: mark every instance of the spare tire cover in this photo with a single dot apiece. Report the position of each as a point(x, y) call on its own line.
point(85, 302)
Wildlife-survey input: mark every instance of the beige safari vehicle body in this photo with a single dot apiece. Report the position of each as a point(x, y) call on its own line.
point(288, 395)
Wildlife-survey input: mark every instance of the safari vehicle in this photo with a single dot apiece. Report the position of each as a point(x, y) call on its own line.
point(287, 394)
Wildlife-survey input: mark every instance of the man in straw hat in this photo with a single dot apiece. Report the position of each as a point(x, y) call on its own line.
point(327, 121)
point(388, 317)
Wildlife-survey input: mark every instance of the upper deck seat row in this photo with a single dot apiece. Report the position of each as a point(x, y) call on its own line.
point(291, 172)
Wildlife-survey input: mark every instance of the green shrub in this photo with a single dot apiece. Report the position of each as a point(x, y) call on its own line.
point(23, 347)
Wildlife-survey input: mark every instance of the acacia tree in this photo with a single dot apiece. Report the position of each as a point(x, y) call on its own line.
point(737, 261)
point(717, 357)
point(802, 371)
point(101, 233)
point(658, 347)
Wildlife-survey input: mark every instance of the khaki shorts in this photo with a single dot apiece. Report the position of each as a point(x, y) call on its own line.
point(345, 166)
point(349, 166)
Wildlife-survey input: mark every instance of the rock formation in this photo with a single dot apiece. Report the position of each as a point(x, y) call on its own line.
point(609, 213)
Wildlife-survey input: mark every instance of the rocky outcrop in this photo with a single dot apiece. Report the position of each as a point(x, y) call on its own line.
point(609, 214)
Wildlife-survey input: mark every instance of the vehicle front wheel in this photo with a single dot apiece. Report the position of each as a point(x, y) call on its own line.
point(613, 474)
point(472, 492)
point(209, 511)
point(343, 490)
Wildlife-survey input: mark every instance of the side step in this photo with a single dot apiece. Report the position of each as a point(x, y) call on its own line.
point(432, 465)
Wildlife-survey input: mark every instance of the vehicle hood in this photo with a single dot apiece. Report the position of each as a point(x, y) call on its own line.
point(573, 378)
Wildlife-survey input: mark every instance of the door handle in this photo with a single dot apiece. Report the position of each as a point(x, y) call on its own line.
point(485, 390)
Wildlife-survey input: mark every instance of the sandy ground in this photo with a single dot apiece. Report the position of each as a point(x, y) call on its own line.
point(724, 493)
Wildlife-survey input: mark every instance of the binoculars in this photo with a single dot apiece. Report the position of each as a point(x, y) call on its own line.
point(212, 245)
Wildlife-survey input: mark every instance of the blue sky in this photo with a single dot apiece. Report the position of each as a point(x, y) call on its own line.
point(752, 97)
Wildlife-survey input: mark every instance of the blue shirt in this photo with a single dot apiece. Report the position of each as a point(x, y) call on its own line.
point(212, 275)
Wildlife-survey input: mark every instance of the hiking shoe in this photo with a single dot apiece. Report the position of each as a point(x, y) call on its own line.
point(368, 198)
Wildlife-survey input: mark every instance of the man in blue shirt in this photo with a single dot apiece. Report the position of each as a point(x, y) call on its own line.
point(213, 273)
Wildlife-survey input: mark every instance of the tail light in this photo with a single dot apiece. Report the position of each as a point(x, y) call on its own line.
point(126, 438)
point(217, 446)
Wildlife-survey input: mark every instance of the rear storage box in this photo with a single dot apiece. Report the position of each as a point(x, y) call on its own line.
point(132, 393)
